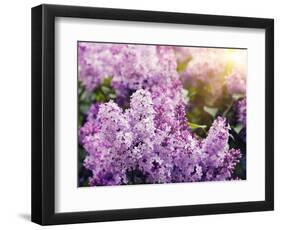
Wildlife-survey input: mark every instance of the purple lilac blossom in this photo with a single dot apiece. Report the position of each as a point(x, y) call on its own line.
point(241, 111)
point(131, 140)
point(236, 83)
point(182, 53)
point(241, 116)
point(215, 69)
point(131, 67)
point(93, 112)
point(218, 160)
point(106, 146)
point(97, 61)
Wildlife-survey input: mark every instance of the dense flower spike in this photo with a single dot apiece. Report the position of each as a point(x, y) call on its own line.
point(218, 161)
point(149, 140)
point(106, 146)
point(217, 139)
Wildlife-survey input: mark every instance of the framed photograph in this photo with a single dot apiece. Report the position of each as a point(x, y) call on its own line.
point(142, 114)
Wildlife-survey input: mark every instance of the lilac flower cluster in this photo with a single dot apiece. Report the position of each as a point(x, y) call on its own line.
point(150, 141)
point(241, 116)
point(215, 69)
point(131, 66)
point(120, 142)
point(241, 111)
point(236, 83)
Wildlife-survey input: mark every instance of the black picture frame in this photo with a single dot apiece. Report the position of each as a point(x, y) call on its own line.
point(43, 114)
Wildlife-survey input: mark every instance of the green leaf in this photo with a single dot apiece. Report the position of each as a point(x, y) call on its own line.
point(231, 136)
point(182, 65)
point(238, 128)
point(105, 90)
point(107, 81)
point(83, 108)
point(112, 96)
point(211, 111)
point(185, 94)
point(196, 126)
point(100, 96)
point(192, 91)
point(237, 96)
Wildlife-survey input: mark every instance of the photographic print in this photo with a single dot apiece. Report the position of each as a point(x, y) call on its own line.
point(157, 114)
point(172, 106)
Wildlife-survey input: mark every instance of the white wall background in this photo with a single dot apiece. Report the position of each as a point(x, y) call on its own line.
point(15, 113)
